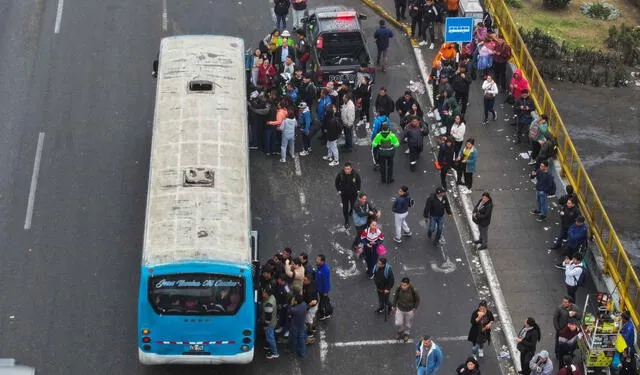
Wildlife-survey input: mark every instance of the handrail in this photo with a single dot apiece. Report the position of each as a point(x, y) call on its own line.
point(616, 262)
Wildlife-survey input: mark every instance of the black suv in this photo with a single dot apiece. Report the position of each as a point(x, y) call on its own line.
point(338, 46)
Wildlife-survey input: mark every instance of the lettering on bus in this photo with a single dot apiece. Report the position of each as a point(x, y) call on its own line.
point(208, 283)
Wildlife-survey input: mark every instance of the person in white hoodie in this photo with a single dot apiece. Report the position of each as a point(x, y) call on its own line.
point(288, 129)
point(348, 117)
point(457, 132)
point(490, 90)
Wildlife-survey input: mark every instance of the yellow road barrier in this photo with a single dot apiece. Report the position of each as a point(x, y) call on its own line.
point(616, 261)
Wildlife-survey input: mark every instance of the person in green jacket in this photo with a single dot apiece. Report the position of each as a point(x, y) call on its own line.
point(384, 145)
point(452, 109)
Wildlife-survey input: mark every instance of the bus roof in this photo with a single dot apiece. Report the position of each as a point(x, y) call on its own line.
point(198, 197)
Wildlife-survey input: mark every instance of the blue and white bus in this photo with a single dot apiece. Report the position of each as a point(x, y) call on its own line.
point(197, 303)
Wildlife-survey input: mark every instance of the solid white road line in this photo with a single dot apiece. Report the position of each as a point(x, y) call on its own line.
point(392, 342)
point(56, 28)
point(165, 18)
point(34, 182)
point(296, 164)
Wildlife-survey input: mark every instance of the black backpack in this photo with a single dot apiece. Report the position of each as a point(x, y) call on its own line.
point(580, 280)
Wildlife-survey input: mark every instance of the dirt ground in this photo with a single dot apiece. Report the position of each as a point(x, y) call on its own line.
point(604, 124)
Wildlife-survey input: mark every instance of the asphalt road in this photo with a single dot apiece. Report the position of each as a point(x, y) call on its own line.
point(69, 281)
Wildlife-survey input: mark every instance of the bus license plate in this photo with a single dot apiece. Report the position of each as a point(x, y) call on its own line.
point(196, 348)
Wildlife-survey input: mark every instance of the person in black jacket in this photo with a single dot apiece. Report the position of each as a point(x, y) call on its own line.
point(415, 12)
point(310, 294)
point(414, 134)
point(332, 129)
point(469, 367)
point(437, 204)
point(460, 83)
point(480, 331)
point(384, 280)
point(482, 217)
point(527, 341)
point(281, 10)
point(362, 94)
point(384, 104)
point(430, 14)
point(523, 108)
point(348, 186)
point(446, 155)
point(568, 214)
point(404, 103)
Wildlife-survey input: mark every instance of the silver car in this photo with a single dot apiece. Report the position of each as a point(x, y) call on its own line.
point(8, 367)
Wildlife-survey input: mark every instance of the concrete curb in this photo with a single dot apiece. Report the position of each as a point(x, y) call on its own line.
point(485, 259)
point(389, 17)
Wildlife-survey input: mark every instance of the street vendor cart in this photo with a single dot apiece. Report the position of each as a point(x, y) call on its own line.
point(600, 327)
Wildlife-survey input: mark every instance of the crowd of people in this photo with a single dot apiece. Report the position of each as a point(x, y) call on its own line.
point(287, 107)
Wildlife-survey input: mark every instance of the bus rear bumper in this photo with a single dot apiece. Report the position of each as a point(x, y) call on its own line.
point(157, 359)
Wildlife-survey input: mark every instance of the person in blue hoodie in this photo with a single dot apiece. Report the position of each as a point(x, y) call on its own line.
point(428, 356)
point(576, 237)
point(323, 104)
point(377, 124)
point(400, 211)
point(323, 286)
point(304, 122)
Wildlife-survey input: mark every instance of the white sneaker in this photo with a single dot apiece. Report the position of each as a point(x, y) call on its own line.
point(303, 153)
point(406, 151)
point(327, 157)
point(442, 240)
point(432, 46)
point(532, 162)
point(283, 160)
point(422, 43)
point(480, 353)
point(333, 163)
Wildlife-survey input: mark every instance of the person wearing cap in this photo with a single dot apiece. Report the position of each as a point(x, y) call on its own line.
point(405, 303)
point(284, 50)
point(281, 10)
point(384, 104)
point(568, 338)
point(436, 206)
point(482, 217)
point(573, 270)
point(480, 331)
point(541, 364)
point(400, 211)
point(304, 121)
point(382, 36)
point(428, 356)
point(385, 144)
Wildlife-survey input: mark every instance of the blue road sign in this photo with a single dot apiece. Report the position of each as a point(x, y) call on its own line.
point(458, 29)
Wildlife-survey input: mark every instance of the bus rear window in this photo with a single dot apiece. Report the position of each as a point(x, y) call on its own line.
point(196, 294)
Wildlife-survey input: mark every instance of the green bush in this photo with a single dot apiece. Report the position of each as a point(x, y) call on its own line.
point(555, 4)
point(625, 39)
point(600, 11)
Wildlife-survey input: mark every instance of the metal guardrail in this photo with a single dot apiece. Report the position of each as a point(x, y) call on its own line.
point(616, 261)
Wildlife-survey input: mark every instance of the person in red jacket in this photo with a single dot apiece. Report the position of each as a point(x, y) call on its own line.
point(266, 74)
point(518, 84)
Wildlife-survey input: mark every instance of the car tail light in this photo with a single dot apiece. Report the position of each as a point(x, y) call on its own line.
point(320, 42)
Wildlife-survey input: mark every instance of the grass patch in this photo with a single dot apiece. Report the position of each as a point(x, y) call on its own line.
point(570, 24)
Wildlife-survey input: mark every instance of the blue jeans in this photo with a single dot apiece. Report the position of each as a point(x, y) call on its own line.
point(270, 336)
point(296, 340)
point(281, 21)
point(436, 222)
point(541, 199)
point(422, 371)
point(283, 147)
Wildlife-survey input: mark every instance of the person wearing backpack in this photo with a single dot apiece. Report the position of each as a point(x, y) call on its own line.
point(574, 275)
point(405, 303)
point(383, 280)
point(538, 133)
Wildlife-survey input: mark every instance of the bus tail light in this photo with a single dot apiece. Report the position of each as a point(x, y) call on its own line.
point(244, 348)
point(146, 340)
point(246, 332)
point(246, 340)
point(145, 332)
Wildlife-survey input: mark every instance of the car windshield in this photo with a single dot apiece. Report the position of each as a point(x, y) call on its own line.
point(196, 294)
point(341, 49)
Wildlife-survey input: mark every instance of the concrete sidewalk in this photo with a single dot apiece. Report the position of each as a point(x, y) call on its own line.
point(518, 244)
